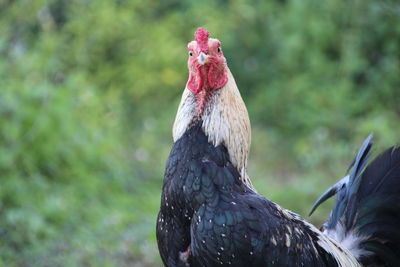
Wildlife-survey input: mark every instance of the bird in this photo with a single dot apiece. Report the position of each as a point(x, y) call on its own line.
point(211, 215)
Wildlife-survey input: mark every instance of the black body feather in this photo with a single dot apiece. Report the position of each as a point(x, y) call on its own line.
point(209, 214)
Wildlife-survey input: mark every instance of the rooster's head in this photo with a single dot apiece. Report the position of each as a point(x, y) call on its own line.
point(207, 66)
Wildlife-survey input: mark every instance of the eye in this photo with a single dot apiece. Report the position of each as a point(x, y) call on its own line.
point(219, 49)
point(190, 53)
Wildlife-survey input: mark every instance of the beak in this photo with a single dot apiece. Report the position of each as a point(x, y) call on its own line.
point(202, 58)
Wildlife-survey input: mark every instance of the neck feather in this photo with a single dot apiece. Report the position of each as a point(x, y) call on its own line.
point(224, 121)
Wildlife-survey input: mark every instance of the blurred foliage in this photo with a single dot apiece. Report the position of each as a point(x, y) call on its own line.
point(89, 90)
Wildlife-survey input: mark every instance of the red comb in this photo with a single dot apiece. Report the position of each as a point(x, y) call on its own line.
point(201, 37)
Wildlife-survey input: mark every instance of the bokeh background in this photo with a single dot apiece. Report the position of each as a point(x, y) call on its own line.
point(89, 91)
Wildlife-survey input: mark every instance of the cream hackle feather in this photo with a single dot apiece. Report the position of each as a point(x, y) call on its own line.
point(225, 121)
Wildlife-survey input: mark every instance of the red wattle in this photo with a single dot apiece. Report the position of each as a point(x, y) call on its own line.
point(208, 79)
point(195, 82)
point(217, 77)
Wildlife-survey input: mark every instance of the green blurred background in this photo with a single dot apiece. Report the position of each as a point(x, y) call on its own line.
point(89, 91)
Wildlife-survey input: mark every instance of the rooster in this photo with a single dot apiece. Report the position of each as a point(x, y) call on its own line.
point(210, 214)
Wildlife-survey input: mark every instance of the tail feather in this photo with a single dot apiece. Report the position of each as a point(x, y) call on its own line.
point(346, 187)
point(329, 193)
point(366, 215)
point(350, 193)
point(384, 251)
point(385, 167)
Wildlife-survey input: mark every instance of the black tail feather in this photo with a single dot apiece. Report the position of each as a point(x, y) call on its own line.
point(367, 208)
point(356, 167)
